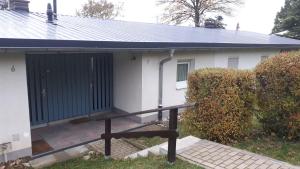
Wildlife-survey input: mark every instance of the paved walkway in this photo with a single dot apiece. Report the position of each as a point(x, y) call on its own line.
point(213, 155)
point(67, 134)
point(119, 150)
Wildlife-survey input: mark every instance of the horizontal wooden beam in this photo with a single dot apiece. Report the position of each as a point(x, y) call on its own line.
point(115, 116)
point(138, 134)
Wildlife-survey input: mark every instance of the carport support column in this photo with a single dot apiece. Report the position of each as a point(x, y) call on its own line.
point(107, 138)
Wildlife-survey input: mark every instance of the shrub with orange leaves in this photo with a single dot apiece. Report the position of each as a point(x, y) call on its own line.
point(225, 101)
point(278, 93)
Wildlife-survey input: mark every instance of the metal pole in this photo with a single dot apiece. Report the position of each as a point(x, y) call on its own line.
point(159, 116)
point(172, 140)
point(107, 139)
point(55, 9)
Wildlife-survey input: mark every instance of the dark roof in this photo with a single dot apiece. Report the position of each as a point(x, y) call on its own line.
point(30, 30)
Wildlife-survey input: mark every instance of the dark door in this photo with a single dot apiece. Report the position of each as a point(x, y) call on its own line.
point(62, 86)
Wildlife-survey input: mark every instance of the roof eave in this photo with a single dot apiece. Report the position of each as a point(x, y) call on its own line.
point(69, 44)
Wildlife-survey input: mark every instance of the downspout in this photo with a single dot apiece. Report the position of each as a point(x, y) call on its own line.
point(160, 80)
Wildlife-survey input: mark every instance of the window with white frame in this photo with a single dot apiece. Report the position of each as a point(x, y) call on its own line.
point(233, 62)
point(183, 68)
point(262, 58)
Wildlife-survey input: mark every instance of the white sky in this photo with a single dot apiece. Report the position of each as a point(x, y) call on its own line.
point(254, 15)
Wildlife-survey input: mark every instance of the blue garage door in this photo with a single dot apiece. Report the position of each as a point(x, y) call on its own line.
point(62, 86)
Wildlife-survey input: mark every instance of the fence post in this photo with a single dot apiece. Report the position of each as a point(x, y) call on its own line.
point(107, 138)
point(159, 116)
point(172, 140)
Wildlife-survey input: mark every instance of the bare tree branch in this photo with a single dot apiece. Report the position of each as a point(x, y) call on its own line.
point(179, 11)
point(100, 9)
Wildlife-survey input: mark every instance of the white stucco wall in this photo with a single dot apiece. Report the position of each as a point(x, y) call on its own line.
point(14, 108)
point(171, 96)
point(127, 82)
point(136, 80)
point(248, 59)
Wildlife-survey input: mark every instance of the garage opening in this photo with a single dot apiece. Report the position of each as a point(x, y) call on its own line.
point(63, 86)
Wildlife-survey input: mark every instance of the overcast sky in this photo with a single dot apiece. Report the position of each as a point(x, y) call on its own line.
point(254, 15)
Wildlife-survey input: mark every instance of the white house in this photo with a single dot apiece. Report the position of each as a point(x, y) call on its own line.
point(73, 67)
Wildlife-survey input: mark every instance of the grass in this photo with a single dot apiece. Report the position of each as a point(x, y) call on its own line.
point(271, 146)
point(149, 142)
point(157, 162)
point(144, 142)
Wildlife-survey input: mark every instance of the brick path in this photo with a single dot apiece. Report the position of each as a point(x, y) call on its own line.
point(119, 148)
point(213, 155)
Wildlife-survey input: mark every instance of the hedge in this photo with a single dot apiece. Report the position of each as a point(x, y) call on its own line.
point(224, 104)
point(278, 93)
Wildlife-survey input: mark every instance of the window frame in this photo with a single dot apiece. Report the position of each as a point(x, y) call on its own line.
point(238, 62)
point(182, 84)
point(263, 58)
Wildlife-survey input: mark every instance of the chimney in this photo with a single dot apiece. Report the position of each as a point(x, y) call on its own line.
point(55, 9)
point(49, 13)
point(18, 5)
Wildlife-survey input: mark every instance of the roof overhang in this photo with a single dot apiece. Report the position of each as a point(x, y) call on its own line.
point(69, 44)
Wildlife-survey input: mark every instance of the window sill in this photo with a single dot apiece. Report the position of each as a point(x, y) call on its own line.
point(181, 85)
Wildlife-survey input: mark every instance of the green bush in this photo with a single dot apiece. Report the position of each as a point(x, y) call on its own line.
point(224, 104)
point(278, 93)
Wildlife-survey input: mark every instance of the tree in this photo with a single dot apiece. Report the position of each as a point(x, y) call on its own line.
point(100, 9)
point(179, 11)
point(287, 22)
point(216, 23)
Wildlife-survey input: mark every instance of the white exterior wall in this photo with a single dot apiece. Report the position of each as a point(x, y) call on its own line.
point(248, 59)
point(136, 80)
point(171, 95)
point(127, 82)
point(14, 108)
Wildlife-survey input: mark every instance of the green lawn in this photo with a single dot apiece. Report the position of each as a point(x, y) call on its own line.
point(140, 163)
point(272, 146)
point(144, 142)
point(148, 142)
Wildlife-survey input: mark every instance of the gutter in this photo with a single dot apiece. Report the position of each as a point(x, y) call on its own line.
point(75, 44)
point(160, 80)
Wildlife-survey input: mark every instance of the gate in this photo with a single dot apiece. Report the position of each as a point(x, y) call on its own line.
point(62, 86)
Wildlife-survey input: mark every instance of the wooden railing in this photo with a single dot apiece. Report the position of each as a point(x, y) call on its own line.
point(171, 133)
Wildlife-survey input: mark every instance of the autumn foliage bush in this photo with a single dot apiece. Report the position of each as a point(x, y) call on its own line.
point(224, 104)
point(278, 93)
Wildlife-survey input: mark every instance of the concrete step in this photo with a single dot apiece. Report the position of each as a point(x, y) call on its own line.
point(162, 149)
point(143, 153)
point(181, 144)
